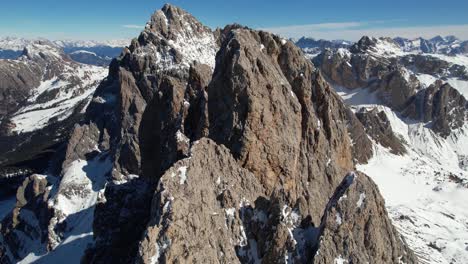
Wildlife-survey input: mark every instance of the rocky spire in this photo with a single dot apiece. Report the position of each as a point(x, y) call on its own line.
point(265, 192)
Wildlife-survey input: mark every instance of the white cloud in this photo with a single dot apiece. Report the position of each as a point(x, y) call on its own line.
point(133, 26)
point(353, 31)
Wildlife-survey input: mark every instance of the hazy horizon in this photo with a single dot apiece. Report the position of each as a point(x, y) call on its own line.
point(109, 20)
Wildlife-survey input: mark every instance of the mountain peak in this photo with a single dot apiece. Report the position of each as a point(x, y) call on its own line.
point(171, 19)
point(177, 39)
point(42, 50)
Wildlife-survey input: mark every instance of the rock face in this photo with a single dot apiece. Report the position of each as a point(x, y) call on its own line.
point(268, 106)
point(28, 220)
point(184, 230)
point(238, 222)
point(378, 127)
point(155, 72)
point(184, 157)
point(135, 127)
point(15, 84)
point(441, 105)
point(354, 214)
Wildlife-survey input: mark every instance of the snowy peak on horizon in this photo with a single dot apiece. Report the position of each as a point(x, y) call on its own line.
point(93, 43)
point(313, 47)
point(448, 45)
point(18, 44)
point(91, 52)
point(444, 45)
point(42, 49)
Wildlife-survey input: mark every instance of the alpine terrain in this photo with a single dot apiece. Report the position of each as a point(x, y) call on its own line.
point(87, 52)
point(410, 95)
point(233, 145)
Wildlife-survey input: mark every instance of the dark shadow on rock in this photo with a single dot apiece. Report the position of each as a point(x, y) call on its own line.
point(267, 226)
point(31, 224)
point(150, 141)
point(119, 222)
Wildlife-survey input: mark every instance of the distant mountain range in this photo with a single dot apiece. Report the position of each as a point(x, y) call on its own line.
point(449, 45)
point(98, 53)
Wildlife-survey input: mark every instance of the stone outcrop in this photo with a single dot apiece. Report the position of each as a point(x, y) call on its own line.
point(120, 218)
point(379, 128)
point(353, 215)
point(156, 72)
point(237, 221)
point(441, 105)
point(27, 224)
point(197, 207)
point(16, 80)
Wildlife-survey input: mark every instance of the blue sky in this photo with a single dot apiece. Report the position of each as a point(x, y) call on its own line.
point(336, 19)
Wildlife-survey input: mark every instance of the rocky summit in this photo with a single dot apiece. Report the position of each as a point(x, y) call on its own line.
point(225, 146)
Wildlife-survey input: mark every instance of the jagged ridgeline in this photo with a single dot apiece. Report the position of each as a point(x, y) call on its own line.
point(207, 147)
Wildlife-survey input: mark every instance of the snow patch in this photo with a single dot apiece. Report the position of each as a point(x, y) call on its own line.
point(425, 79)
point(182, 174)
point(362, 196)
point(338, 218)
point(181, 138)
point(230, 212)
point(460, 85)
point(340, 260)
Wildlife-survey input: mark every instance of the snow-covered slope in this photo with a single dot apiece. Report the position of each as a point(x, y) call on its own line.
point(60, 90)
point(73, 199)
point(36, 115)
point(425, 189)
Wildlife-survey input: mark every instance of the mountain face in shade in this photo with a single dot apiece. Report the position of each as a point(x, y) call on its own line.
point(202, 146)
